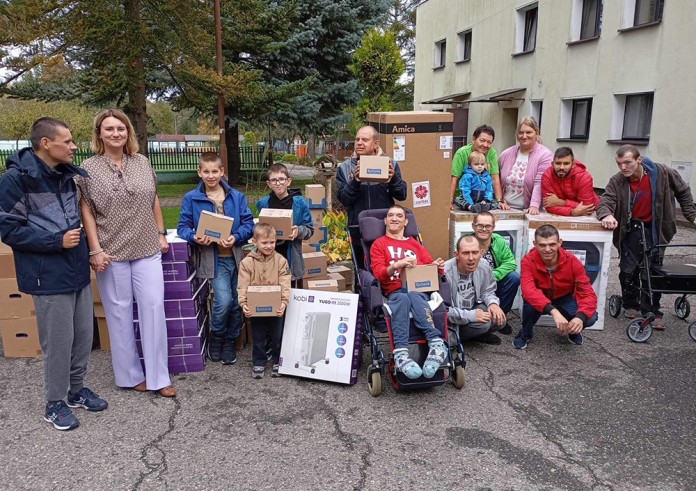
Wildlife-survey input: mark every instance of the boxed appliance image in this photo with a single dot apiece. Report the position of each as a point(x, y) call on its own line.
point(263, 301)
point(321, 337)
point(215, 227)
point(374, 168)
point(422, 278)
point(281, 220)
point(316, 196)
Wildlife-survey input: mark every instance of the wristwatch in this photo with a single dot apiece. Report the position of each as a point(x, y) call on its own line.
point(163, 231)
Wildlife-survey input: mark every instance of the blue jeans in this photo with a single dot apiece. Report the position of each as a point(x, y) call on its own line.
point(507, 291)
point(226, 318)
point(567, 306)
point(401, 303)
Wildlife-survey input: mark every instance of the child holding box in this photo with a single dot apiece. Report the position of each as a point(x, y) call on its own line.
point(283, 198)
point(264, 267)
point(218, 261)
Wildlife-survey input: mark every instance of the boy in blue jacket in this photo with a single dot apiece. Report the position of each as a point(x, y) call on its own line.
point(40, 221)
point(476, 186)
point(218, 262)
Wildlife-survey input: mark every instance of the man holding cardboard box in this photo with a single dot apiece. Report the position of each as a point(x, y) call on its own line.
point(39, 219)
point(389, 256)
point(357, 194)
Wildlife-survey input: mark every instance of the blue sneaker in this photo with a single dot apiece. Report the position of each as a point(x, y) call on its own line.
point(576, 338)
point(87, 399)
point(60, 415)
point(519, 342)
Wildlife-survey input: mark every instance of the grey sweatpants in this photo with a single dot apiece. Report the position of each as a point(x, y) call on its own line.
point(66, 328)
point(475, 329)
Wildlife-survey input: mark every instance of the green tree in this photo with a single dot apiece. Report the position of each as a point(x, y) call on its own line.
point(19, 115)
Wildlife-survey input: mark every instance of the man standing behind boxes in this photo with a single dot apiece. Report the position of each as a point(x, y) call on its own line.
point(356, 195)
point(39, 219)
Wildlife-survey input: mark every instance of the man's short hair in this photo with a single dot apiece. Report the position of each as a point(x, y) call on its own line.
point(562, 152)
point(466, 238)
point(209, 157)
point(264, 230)
point(278, 169)
point(375, 133)
point(624, 149)
point(399, 207)
point(484, 128)
point(546, 232)
point(484, 214)
point(45, 128)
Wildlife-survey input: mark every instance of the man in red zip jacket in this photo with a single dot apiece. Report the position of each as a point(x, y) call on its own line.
point(554, 282)
point(567, 186)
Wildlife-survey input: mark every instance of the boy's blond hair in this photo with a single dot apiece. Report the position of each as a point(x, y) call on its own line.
point(264, 230)
point(476, 153)
point(209, 157)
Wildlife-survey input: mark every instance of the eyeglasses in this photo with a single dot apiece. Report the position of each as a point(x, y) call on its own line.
point(480, 226)
point(281, 180)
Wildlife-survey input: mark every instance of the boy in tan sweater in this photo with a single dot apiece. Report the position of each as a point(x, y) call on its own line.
point(264, 267)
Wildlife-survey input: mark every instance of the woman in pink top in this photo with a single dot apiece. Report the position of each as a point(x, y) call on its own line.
point(521, 168)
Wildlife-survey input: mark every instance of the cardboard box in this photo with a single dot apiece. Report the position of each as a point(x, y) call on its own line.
point(280, 219)
point(422, 278)
point(187, 363)
point(338, 279)
point(7, 266)
point(99, 312)
point(320, 235)
point(13, 303)
point(174, 290)
point(214, 226)
point(96, 297)
point(104, 341)
point(184, 307)
point(344, 271)
point(317, 216)
point(316, 196)
point(179, 249)
point(323, 285)
point(178, 270)
point(374, 168)
point(303, 282)
point(20, 338)
point(263, 301)
point(306, 247)
point(314, 264)
point(321, 336)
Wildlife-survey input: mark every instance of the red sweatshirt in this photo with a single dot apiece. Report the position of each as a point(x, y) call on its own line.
point(540, 288)
point(385, 251)
point(575, 188)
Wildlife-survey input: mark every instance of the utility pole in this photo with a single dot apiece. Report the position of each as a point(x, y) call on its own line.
point(221, 97)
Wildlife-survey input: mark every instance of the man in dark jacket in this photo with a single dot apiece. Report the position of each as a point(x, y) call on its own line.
point(357, 196)
point(642, 194)
point(39, 220)
point(554, 282)
point(567, 187)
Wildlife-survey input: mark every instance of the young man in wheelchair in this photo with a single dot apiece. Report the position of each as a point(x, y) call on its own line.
point(389, 255)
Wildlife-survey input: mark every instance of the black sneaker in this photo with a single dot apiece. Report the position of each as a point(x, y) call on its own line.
point(60, 415)
point(274, 371)
point(215, 347)
point(229, 351)
point(488, 338)
point(87, 399)
point(506, 329)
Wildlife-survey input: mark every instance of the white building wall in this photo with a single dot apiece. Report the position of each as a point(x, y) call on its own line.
point(659, 59)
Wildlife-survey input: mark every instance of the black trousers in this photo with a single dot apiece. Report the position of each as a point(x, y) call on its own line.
point(263, 328)
point(634, 292)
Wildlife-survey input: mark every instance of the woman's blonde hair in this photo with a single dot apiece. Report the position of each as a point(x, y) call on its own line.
point(532, 123)
point(131, 145)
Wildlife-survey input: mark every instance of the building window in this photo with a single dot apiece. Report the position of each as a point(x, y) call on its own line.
point(527, 20)
point(440, 54)
point(647, 11)
point(580, 118)
point(464, 45)
point(637, 117)
point(537, 108)
point(591, 21)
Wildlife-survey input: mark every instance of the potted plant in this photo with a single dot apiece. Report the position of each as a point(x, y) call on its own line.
point(337, 247)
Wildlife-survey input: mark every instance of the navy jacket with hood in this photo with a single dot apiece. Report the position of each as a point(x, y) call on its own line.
point(38, 205)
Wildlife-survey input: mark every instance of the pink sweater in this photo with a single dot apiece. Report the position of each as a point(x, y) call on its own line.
point(539, 160)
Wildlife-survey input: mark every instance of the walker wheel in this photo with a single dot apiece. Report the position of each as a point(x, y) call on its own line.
point(312, 370)
point(682, 308)
point(615, 306)
point(458, 376)
point(637, 333)
point(374, 383)
point(692, 330)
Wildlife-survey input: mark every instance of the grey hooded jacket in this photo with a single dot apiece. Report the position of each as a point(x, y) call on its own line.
point(484, 285)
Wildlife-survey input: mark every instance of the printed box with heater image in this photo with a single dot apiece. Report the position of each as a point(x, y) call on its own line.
point(374, 168)
point(263, 301)
point(281, 220)
point(421, 278)
point(214, 226)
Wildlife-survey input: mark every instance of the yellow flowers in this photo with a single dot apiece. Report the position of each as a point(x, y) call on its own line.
point(337, 248)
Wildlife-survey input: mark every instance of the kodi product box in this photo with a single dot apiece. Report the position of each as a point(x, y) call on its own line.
point(315, 264)
point(214, 226)
point(316, 196)
point(321, 337)
point(280, 219)
point(374, 168)
point(20, 338)
point(323, 285)
point(421, 278)
point(263, 301)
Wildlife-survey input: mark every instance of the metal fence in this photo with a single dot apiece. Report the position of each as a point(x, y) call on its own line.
point(172, 160)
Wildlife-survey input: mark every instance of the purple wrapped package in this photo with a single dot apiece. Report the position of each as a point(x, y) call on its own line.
point(177, 290)
point(177, 271)
point(181, 326)
point(185, 307)
point(179, 249)
point(187, 363)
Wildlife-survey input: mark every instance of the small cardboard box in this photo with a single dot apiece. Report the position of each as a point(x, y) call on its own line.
point(20, 338)
point(347, 273)
point(323, 285)
point(340, 280)
point(263, 301)
point(317, 217)
point(316, 196)
point(320, 235)
point(13, 303)
point(303, 282)
point(104, 342)
point(307, 247)
point(7, 266)
point(314, 264)
point(216, 227)
point(422, 278)
point(374, 168)
point(280, 219)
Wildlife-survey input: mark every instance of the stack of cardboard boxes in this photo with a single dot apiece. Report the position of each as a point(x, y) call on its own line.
point(315, 194)
point(20, 334)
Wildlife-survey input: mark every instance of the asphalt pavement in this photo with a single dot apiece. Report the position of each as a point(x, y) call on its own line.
point(608, 415)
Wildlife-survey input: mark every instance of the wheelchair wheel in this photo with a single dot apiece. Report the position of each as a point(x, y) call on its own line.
point(458, 376)
point(374, 383)
point(615, 306)
point(682, 308)
point(639, 334)
point(692, 330)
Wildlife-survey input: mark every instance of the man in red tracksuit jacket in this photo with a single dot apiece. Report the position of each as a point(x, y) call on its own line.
point(567, 187)
point(554, 282)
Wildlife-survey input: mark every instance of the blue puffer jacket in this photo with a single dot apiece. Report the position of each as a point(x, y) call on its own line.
point(472, 183)
point(38, 205)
